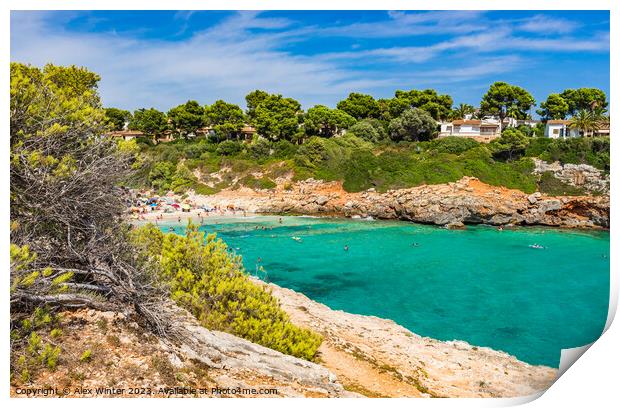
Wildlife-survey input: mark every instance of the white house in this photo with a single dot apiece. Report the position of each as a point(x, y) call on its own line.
point(557, 129)
point(479, 130)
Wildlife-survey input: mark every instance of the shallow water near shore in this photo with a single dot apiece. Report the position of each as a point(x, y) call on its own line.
point(480, 285)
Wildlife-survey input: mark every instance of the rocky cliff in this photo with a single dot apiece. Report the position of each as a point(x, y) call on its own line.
point(467, 201)
point(360, 356)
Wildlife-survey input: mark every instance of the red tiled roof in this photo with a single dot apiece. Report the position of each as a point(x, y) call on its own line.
point(466, 122)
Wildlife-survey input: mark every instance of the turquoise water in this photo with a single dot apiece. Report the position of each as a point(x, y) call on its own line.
point(480, 285)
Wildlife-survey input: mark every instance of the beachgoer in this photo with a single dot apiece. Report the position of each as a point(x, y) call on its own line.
point(280, 220)
point(179, 219)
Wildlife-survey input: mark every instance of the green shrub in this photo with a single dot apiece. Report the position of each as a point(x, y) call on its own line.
point(86, 356)
point(182, 180)
point(592, 151)
point(452, 144)
point(549, 184)
point(537, 146)
point(206, 279)
point(203, 189)
point(195, 149)
point(260, 149)
point(160, 175)
point(228, 148)
point(371, 130)
point(312, 153)
point(283, 149)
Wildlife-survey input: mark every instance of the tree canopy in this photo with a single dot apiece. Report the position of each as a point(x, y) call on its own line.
point(323, 121)
point(187, 118)
point(506, 101)
point(253, 99)
point(413, 125)
point(360, 106)
point(555, 107)
point(151, 122)
point(584, 99)
point(438, 106)
point(117, 118)
point(277, 118)
point(68, 241)
point(226, 119)
point(512, 142)
point(371, 130)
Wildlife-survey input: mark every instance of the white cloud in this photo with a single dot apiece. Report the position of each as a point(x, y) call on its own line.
point(217, 64)
point(244, 52)
point(410, 24)
point(548, 25)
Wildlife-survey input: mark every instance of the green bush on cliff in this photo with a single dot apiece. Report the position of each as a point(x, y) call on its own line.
point(361, 164)
point(207, 280)
point(549, 184)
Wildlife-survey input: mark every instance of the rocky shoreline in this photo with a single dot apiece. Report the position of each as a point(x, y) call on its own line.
point(453, 205)
point(361, 356)
point(377, 357)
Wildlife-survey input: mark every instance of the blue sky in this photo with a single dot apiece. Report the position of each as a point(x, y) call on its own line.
point(163, 58)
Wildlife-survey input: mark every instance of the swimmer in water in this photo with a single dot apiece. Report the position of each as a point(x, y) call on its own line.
point(415, 244)
point(346, 247)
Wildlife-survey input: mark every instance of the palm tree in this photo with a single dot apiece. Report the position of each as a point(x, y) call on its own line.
point(462, 110)
point(585, 121)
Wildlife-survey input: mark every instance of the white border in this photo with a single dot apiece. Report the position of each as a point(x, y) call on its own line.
point(593, 379)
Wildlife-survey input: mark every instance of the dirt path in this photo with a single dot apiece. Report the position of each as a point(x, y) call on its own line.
point(364, 377)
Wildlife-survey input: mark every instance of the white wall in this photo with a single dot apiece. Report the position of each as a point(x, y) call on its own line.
point(554, 131)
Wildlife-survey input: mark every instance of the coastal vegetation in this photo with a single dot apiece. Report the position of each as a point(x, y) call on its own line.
point(71, 247)
point(209, 282)
point(361, 161)
point(363, 142)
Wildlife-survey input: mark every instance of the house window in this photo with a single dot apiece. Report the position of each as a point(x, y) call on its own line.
point(556, 131)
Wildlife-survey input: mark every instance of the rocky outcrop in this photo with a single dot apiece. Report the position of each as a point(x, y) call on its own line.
point(359, 356)
point(234, 356)
point(467, 201)
point(584, 176)
point(379, 357)
point(128, 357)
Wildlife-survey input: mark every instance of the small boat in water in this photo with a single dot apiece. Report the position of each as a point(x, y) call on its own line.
point(536, 246)
point(297, 239)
